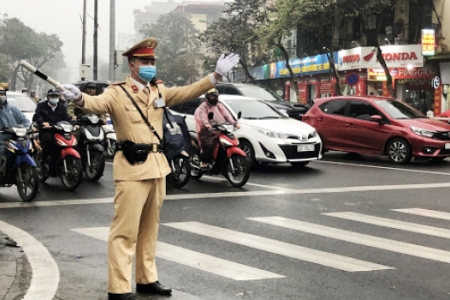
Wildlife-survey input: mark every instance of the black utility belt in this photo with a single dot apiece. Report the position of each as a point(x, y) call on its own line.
point(138, 153)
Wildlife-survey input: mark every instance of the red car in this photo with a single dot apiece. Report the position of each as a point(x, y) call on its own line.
point(378, 126)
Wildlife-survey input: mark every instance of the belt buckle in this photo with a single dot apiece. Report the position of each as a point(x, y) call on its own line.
point(154, 147)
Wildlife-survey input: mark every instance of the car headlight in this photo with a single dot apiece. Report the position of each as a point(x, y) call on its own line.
point(313, 134)
point(423, 132)
point(274, 134)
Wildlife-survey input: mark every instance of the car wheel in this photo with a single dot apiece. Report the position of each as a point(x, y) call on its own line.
point(399, 151)
point(249, 151)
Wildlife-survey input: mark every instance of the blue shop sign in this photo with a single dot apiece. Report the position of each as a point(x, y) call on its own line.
point(301, 66)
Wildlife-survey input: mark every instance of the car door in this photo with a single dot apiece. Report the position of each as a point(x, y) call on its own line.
point(331, 123)
point(361, 133)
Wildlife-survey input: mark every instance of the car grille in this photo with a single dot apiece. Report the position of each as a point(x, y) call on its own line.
point(290, 151)
point(443, 136)
point(445, 151)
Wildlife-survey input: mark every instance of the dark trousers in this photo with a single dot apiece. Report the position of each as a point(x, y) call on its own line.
point(209, 140)
point(47, 144)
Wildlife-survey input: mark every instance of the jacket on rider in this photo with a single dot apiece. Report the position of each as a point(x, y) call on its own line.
point(55, 114)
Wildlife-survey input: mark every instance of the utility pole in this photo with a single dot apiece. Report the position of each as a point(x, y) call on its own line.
point(95, 37)
point(112, 40)
point(83, 47)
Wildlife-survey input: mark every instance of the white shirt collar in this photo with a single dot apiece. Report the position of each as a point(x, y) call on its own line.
point(138, 84)
point(52, 107)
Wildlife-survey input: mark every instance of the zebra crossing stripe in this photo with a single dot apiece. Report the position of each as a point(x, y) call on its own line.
point(425, 213)
point(194, 259)
point(406, 226)
point(273, 246)
point(357, 238)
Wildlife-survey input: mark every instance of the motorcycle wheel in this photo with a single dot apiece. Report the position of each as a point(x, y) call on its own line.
point(27, 182)
point(111, 151)
point(38, 160)
point(95, 170)
point(181, 171)
point(196, 173)
point(71, 180)
point(241, 173)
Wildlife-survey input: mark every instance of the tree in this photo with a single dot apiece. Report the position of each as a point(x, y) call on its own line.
point(178, 48)
point(18, 41)
point(4, 68)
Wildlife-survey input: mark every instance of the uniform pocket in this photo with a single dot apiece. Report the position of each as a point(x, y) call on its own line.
point(133, 114)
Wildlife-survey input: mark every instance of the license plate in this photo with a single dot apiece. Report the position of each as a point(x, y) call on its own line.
point(447, 146)
point(305, 148)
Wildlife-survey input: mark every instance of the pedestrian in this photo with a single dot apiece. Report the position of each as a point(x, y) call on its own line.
point(140, 167)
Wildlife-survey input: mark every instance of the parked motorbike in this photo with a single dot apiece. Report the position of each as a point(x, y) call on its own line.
point(177, 147)
point(90, 146)
point(229, 159)
point(17, 166)
point(110, 139)
point(68, 163)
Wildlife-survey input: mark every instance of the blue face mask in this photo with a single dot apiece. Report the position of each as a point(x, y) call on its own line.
point(147, 73)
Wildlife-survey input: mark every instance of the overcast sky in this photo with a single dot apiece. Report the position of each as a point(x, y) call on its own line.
point(63, 17)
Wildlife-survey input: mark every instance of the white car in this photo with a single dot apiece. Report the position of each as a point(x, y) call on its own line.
point(22, 102)
point(266, 134)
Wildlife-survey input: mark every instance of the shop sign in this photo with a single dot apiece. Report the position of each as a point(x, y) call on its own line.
point(399, 73)
point(436, 82)
point(301, 66)
point(326, 87)
point(428, 42)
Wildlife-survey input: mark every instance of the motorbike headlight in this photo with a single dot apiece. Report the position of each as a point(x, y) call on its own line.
point(225, 143)
point(19, 131)
point(423, 132)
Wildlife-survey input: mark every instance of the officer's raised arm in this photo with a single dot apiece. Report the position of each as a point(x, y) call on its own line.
point(101, 104)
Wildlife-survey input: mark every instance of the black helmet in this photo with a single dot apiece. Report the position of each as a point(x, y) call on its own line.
point(53, 92)
point(91, 85)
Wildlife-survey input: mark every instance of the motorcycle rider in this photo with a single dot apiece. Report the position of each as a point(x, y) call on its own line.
point(207, 139)
point(55, 112)
point(73, 111)
point(9, 116)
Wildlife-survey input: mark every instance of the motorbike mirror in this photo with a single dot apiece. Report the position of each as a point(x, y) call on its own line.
point(239, 115)
point(210, 115)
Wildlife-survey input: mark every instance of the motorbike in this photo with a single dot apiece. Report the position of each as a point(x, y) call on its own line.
point(110, 139)
point(229, 159)
point(90, 146)
point(17, 166)
point(68, 163)
point(177, 147)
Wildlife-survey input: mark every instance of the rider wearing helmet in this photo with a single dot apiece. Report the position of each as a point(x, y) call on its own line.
point(208, 140)
point(73, 111)
point(9, 116)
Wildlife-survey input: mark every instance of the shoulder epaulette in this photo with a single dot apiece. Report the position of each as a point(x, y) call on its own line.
point(118, 83)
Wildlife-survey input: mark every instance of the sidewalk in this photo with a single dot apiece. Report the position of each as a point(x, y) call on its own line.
point(12, 273)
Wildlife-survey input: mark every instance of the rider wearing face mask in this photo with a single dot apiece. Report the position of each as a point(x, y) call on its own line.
point(207, 139)
point(55, 112)
point(9, 115)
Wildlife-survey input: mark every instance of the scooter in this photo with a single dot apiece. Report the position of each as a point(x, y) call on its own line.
point(90, 146)
point(110, 139)
point(177, 147)
point(229, 159)
point(68, 164)
point(17, 166)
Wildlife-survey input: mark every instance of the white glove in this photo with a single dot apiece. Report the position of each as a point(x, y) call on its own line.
point(71, 92)
point(226, 64)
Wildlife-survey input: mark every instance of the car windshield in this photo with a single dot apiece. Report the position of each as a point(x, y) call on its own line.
point(399, 110)
point(24, 103)
point(254, 109)
point(257, 92)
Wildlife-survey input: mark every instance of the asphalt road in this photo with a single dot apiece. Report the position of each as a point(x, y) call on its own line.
point(347, 227)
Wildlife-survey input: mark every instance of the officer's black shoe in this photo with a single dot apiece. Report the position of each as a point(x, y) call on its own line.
point(127, 296)
point(154, 288)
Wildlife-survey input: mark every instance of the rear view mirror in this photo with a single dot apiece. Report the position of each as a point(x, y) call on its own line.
point(376, 119)
point(239, 115)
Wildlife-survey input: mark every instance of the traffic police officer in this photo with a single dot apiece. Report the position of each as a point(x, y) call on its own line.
point(140, 167)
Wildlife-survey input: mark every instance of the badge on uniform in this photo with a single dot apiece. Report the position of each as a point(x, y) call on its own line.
point(160, 103)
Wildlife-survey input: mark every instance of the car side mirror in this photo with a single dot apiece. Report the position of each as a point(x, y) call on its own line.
point(239, 115)
point(376, 119)
point(210, 115)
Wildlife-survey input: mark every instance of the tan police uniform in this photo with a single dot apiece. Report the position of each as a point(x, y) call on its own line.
point(140, 188)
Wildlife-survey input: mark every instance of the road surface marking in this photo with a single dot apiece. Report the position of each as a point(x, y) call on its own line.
point(348, 189)
point(425, 213)
point(45, 272)
point(194, 259)
point(357, 238)
point(401, 225)
point(383, 168)
point(273, 246)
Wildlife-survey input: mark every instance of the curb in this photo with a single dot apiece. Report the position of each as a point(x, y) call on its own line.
point(15, 274)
